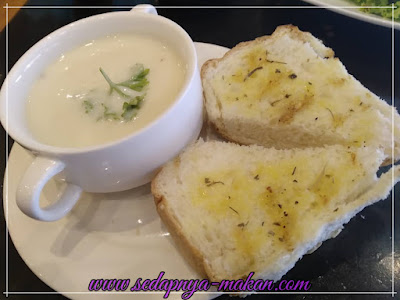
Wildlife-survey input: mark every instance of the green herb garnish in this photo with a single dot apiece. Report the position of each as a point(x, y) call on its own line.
point(383, 12)
point(113, 86)
point(109, 115)
point(88, 106)
point(131, 108)
point(137, 82)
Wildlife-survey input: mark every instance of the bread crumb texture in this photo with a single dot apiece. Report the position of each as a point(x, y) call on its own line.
point(247, 207)
point(290, 84)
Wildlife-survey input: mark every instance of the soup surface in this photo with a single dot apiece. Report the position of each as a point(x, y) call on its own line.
point(104, 90)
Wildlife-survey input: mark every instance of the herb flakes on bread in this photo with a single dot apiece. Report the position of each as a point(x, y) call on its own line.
point(288, 90)
point(240, 209)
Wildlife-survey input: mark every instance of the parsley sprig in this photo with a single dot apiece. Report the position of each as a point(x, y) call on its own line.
point(131, 108)
point(137, 82)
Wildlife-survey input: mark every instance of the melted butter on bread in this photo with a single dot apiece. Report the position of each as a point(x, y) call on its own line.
point(262, 81)
point(268, 83)
point(240, 209)
point(285, 86)
point(285, 192)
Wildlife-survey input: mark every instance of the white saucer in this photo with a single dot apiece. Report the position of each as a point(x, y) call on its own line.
point(116, 235)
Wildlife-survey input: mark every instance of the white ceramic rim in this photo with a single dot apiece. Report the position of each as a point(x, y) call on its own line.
point(35, 145)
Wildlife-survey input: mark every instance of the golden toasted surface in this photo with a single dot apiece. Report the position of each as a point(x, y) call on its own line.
point(248, 208)
point(290, 85)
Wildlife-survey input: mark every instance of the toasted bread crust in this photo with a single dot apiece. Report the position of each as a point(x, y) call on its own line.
point(224, 135)
point(292, 30)
point(171, 190)
point(227, 126)
point(185, 247)
point(173, 219)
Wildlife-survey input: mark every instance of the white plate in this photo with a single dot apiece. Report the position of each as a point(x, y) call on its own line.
point(116, 235)
point(339, 6)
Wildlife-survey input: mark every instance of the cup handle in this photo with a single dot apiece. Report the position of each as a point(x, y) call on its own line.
point(30, 187)
point(145, 8)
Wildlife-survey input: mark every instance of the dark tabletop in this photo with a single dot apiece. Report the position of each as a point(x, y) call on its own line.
point(357, 259)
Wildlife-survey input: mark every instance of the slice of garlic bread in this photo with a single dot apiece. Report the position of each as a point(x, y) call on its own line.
point(240, 209)
point(288, 90)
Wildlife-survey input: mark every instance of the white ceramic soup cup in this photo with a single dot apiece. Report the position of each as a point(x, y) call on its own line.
point(124, 164)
